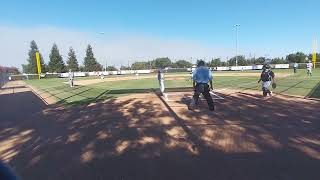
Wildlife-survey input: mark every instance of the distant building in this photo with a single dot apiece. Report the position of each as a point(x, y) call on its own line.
point(9, 70)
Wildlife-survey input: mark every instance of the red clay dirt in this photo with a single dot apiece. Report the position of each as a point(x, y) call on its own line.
point(142, 136)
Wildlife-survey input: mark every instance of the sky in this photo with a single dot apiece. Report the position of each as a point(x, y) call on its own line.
point(140, 30)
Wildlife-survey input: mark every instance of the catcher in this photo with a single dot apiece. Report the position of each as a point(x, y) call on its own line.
point(267, 78)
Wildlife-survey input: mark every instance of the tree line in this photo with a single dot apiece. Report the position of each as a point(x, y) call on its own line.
point(56, 63)
point(160, 63)
point(298, 57)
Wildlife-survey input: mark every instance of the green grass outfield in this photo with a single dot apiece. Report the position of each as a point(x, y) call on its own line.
point(298, 84)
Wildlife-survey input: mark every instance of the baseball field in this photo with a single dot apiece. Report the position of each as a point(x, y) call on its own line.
point(93, 88)
point(121, 128)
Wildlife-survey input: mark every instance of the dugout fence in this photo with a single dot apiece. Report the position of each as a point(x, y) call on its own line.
point(3, 78)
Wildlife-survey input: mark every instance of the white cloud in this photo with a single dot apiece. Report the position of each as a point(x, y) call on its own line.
point(116, 48)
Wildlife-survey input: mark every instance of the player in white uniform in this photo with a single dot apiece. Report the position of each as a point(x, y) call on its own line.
point(161, 81)
point(309, 68)
point(71, 77)
point(295, 67)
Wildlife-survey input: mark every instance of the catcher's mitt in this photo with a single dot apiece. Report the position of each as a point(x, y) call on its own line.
point(274, 85)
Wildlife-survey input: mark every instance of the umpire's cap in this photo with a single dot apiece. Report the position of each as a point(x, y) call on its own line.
point(201, 63)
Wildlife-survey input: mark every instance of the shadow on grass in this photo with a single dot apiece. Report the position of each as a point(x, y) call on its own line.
point(315, 92)
point(61, 91)
point(73, 95)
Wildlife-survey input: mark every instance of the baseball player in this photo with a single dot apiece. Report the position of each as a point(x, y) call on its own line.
point(101, 75)
point(201, 77)
point(295, 67)
point(161, 81)
point(267, 78)
point(309, 68)
point(71, 77)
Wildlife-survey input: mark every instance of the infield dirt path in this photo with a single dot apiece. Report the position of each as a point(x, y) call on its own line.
point(167, 77)
point(143, 137)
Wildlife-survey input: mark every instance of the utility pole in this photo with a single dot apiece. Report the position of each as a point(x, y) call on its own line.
point(106, 64)
point(237, 29)
point(128, 64)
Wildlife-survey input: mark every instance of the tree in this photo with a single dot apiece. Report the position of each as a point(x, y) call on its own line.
point(90, 62)
point(278, 61)
point(162, 62)
point(72, 62)
point(298, 57)
point(140, 65)
point(223, 63)
point(259, 60)
point(81, 69)
point(241, 61)
point(31, 66)
point(215, 62)
point(56, 63)
point(182, 64)
point(310, 57)
point(125, 68)
point(111, 68)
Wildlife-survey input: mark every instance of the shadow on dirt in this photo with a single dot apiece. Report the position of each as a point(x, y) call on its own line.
point(143, 137)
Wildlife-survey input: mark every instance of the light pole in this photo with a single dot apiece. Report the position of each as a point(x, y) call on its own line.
point(102, 33)
point(237, 29)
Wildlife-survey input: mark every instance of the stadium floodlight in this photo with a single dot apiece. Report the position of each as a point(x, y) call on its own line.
point(237, 29)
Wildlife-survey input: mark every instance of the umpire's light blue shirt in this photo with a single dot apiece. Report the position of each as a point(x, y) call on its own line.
point(202, 75)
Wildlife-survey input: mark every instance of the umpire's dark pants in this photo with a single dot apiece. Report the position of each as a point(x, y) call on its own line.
point(205, 90)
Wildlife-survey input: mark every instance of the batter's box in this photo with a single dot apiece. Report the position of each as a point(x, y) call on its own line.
point(173, 96)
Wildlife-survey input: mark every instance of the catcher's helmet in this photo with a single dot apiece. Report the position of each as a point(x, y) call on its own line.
point(266, 66)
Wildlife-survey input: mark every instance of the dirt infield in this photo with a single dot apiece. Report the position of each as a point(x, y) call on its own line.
point(142, 136)
point(167, 77)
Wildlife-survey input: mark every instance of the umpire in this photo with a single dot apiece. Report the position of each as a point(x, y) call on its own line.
point(201, 77)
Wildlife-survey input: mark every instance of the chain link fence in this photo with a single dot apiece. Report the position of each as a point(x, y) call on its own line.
point(4, 78)
point(304, 65)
